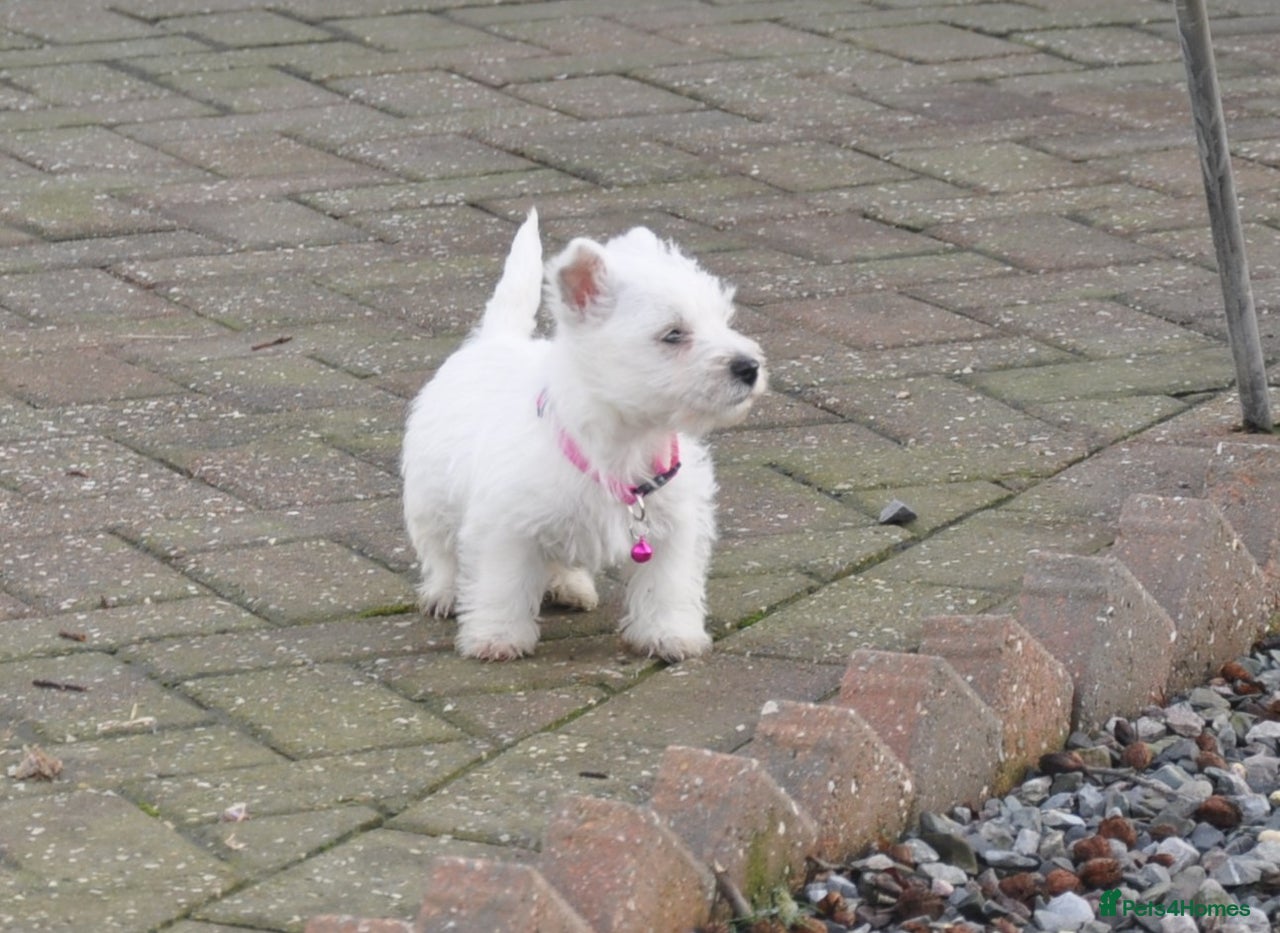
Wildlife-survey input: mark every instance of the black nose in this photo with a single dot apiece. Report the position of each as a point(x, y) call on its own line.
point(745, 369)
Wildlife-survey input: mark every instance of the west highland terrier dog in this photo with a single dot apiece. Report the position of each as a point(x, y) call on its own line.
point(529, 464)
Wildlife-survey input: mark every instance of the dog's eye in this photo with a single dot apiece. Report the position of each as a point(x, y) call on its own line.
point(675, 335)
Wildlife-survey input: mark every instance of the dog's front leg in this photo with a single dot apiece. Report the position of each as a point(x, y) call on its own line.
point(666, 596)
point(499, 593)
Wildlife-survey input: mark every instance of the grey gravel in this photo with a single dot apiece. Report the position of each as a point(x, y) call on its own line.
point(1200, 825)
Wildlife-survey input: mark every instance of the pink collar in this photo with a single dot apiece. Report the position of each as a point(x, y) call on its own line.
point(625, 493)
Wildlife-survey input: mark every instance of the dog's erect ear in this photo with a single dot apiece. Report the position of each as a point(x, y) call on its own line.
point(580, 277)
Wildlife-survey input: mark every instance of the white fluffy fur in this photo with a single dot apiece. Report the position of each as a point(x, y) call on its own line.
point(498, 515)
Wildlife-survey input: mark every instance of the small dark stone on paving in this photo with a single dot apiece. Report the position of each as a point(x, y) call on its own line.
point(897, 512)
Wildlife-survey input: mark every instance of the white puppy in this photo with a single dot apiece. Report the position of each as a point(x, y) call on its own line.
point(530, 463)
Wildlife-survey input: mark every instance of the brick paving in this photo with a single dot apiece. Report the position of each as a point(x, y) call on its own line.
point(235, 237)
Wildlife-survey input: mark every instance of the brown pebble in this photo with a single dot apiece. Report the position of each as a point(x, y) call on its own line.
point(1020, 887)
point(831, 902)
point(917, 900)
point(1117, 827)
point(1163, 831)
point(1206, 741)
point(1059, 881)
point(1210, 760)
point(1234, 670)
point(1163, 858)
point(1219, 812)
point(1101, 873)
point(1003, 925)
point(900, 852)
point(1061, 763)
point(1091, 847)
point(1136, 756)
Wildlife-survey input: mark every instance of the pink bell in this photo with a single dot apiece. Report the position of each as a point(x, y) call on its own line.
point(640, 551)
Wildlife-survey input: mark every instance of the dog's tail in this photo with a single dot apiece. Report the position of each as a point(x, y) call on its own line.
point(513, 309)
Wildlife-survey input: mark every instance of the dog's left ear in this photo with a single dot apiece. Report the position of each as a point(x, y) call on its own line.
point(581, 276)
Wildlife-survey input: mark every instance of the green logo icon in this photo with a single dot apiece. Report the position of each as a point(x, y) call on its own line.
point(1108, 903)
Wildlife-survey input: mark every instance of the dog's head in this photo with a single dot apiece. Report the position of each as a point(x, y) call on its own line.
point(648, 333)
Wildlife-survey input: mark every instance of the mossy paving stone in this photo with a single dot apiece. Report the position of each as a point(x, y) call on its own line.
point(302, 581)
point(258, 846)
point(110, 629)
point(981, 293)
point(1094, 489)
point(811, 374)
point(935, 505)
point(291, 470)
point(542, 182)
point(364, 521)
point(856, 612)
point(42, 380)
point(842, 457)
point(507, 717)
point(1108, 420)
point(1157, 374)
point(89, 861)
point(108, 763)
point(710, 702)
point(592, 661)
point(294, 646)
point(926, 464)
point(933, 411)
point(388, 780)
point(754, 501)
point(507, 801)
point(822, 554)
point(988, 550)
point(68, 573)
point(268, 383)
point(89, 695)
point(1101, 329)
point(60, 208)
point(377, 874)
point(323, 710)
point(736, 598)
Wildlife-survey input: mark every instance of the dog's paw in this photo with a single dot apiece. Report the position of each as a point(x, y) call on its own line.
point(671, 647)
point(495, 651)
point(573, 588)
point(495, 642)
point(435, 605)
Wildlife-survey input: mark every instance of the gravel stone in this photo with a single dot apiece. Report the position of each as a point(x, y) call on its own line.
point(1065, 912)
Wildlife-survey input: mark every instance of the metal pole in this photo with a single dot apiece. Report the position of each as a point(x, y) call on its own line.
point(1224, 213)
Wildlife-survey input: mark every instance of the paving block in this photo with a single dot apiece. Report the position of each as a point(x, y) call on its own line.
point(835, 766)
point(932, 721)
point(334, 923)
point(1243, 480)
point(622, 869)
point(1025, 686)
point(1186, 555)
point(1112, 636)
point(732, 814)
point(483, 895)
